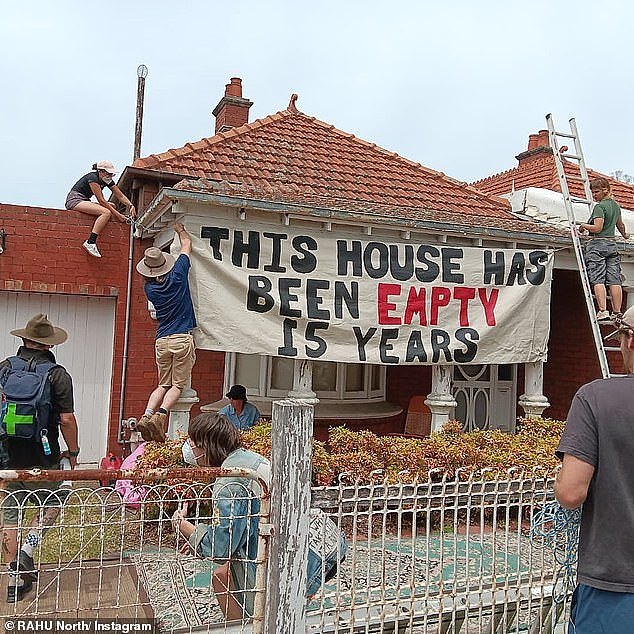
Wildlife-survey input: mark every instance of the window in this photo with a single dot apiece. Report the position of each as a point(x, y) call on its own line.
point(272, 377)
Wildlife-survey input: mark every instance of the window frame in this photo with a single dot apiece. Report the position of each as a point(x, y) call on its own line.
point(264, 391)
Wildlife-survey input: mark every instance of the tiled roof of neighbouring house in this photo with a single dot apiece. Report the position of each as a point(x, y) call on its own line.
point(537, 168)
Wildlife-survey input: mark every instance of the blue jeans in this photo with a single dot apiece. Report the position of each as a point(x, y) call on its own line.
point(318, 572)
point(596, 611)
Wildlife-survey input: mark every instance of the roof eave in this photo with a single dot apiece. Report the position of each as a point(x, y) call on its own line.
point(130, 173)
point(168, 195)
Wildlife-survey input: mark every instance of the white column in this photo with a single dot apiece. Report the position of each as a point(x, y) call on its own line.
point(303, 381)
point(440, 400)
point(179, 416)
point(533, 401)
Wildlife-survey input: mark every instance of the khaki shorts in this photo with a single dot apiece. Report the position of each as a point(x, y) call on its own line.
point(175, 358)
point(20, 493)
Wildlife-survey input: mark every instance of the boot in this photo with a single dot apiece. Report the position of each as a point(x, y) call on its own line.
point(143, 427)
point(157, 425)
point(22, 574)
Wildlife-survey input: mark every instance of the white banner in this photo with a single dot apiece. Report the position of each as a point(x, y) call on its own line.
point(311, 294)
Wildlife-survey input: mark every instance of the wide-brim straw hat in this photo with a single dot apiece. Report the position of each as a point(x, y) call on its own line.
point(40, 330)
point(155, 263)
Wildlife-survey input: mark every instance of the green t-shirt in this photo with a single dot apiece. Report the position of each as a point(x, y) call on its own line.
point(609, 210)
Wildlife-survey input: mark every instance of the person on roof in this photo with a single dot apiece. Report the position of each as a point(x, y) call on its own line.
point(601, 255)
point(90, 185)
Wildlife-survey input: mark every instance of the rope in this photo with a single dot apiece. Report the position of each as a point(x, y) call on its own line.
point(557, 529)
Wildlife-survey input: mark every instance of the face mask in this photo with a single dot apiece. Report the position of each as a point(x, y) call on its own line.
point(188, 454)
point(105, 177)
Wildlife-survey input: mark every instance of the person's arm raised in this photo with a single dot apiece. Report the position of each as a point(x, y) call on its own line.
point(184, 237)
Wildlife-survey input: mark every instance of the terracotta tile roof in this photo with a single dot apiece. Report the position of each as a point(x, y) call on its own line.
point(306, 157)
point(541, 171)
point(294, 194)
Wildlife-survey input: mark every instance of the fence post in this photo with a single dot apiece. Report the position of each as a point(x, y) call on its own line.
point(291, 435)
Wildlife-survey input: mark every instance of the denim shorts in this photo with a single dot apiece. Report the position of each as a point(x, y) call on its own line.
point(603, 262)
point(594, 611)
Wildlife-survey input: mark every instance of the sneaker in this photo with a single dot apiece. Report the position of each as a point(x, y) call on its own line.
point(92, 249)
point(22, 574)
point(603, 316)
point(143, 427)
point(156, 426)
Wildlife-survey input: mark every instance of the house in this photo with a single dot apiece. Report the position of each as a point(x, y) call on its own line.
point(534, 191)
point(272, 183)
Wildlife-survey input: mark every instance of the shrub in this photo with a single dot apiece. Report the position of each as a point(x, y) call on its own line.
point(358, 454)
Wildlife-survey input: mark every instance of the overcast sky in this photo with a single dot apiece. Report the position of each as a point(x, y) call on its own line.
point(455, 85)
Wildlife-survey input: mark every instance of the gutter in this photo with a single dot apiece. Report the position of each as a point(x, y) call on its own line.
point(168, 196)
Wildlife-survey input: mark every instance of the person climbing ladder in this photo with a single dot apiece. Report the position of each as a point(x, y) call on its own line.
point(601, 254)
point(92, 184)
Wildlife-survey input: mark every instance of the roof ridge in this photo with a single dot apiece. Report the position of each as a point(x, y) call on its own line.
point(517, 168)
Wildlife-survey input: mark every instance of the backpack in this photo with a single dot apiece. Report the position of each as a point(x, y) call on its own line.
point(28, 411)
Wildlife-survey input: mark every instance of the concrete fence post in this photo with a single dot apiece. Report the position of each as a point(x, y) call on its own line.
point(291, 436)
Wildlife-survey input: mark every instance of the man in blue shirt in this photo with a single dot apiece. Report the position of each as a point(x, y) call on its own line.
point(241, 413)
point(167, 287)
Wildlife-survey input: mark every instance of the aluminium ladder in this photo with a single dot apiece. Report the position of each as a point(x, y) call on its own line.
point(577, 159)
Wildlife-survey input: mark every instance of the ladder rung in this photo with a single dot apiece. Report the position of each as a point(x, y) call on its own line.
point(581, 200)
point(565, 135)
point(612, 349)
point(570, 177)
point(615, 376)
point(571, 156)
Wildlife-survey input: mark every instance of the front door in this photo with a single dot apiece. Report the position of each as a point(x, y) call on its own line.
point(485, 395)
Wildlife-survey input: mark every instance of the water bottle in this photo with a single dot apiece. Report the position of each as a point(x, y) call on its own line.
point(45, 444)
point(64, 463)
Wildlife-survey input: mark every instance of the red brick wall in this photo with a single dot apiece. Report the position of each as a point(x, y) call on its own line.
point(44, 254)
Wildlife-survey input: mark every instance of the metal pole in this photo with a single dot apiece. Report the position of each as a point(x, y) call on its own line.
point(141, 72)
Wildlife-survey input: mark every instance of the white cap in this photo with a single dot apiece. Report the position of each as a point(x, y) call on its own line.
point(106, 166)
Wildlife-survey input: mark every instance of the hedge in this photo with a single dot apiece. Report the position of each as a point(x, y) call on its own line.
point(360, 453)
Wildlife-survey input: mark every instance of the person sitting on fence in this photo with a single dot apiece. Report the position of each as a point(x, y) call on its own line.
point(26, 450)
point(596, 449)
point(232, 538)
point(239, 411)
point(601, 255)
point(90, 185)
point(167, 287)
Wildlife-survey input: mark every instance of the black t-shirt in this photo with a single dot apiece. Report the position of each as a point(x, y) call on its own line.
point(29, 453)
point(83, 184)
point(600, 432)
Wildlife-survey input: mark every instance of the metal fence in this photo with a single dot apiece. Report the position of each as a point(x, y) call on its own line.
point(452, 554)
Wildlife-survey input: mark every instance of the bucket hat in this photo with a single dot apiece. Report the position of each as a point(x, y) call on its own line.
point(155, 263)
point(40, 330)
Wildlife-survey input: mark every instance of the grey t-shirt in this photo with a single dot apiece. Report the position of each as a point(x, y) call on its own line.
point(600, 431)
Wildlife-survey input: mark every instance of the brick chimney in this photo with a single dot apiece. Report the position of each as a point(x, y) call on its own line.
point(232, 110)
point(538, 148)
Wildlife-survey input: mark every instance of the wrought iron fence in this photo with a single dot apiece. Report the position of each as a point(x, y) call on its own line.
point(449, 555)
